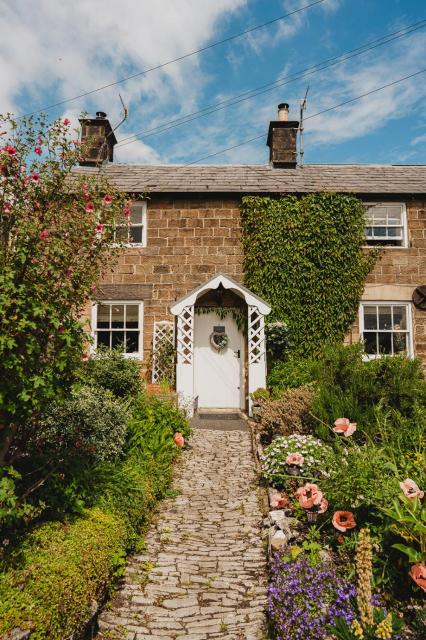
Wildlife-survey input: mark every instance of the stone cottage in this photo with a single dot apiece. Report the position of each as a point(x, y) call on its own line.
point(180, 276)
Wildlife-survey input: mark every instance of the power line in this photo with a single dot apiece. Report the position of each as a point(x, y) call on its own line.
point(336, 106)
point(297, 75)
point(178, 59)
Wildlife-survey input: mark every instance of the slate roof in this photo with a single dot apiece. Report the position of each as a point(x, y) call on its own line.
point(344, 178)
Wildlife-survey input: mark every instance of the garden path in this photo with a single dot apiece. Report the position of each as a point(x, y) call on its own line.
point(203, 574)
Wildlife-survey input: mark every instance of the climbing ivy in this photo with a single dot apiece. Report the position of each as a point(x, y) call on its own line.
point(305, 257)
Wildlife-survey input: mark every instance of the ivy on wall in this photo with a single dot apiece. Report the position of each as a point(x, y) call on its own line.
point(304, 256)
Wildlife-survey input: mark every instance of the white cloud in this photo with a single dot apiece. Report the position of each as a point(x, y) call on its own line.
point(419, 139)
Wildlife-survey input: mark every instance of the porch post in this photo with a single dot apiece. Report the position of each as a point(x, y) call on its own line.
point(185, 358)
point(256, 351)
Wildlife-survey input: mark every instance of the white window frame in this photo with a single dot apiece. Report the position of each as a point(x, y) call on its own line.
point(387, 303)
point(139, 354)
point(143, 224)
point(404, 244)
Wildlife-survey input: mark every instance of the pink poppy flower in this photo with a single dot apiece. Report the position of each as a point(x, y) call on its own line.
point(38, 151)
point(343, 425)
point(7, 207)
point(418, 574)
point(90, 207)
point(44, 234)
point(35, 177)
point(67, 122)
point(100, 227)
point(411, 490)
point(107, 199)
point(343, 520)
point(295, 458)
point(278, 500)
point(309, 496)
point(179, 439)
point(323, 506)
point(340, 538)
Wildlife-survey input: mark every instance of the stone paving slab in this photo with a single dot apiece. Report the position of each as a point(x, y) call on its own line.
point(203, 574)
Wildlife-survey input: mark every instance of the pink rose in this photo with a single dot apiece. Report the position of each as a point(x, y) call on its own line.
point(100, 227)
point(411, 490)
point(7, 207)
point(179, 439)
point(44, 234)
point(309, 496)
point(107, 199)
point(38, 151)
point(67, 122)
point(126, 210)
point(90, 207)
point(343, 425)
point(35, 177)
point(343, 520)
point(295, 458)
point(418, 574)
point(93, 288)
point(11, 151)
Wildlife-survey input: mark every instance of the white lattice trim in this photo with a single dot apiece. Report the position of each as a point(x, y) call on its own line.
point(185, 336)
point(256, 335)
point(164, 331)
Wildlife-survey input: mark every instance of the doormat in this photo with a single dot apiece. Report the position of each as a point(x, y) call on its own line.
point(220, 416)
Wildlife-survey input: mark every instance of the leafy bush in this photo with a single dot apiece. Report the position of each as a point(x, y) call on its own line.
point(289, 414)
point(49, 583)
point(349, 386)
point(291, 374)
point(303, 599)
point(108, 368)
point(318, 458)
point(278, 339)
point(91, 423)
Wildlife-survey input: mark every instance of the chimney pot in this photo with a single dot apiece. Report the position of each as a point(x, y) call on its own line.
point(100, 115)
point(283, 110)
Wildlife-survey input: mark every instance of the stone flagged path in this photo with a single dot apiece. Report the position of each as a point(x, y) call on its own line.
point(203, 574)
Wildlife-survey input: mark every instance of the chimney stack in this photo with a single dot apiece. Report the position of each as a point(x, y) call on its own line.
point(282, 139)
point(98, 139)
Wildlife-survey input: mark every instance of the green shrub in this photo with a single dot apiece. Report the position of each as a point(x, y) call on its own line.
point(290, 374)
point(49, 583)
point(91, 423)
point(108, 368)
point(288, 414)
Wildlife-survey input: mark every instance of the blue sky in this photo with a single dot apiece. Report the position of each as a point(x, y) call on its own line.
point(52, 51)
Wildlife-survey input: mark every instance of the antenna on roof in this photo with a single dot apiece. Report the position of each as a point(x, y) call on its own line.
point(111, 133)
point(303, 104)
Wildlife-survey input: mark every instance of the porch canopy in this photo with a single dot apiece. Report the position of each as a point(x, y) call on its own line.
point(183, 309)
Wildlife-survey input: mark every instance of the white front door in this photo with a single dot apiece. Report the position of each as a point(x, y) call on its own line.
point(218, 376)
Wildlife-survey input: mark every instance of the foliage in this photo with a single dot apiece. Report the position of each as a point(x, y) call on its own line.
point(260, 394)
point(55, 239)
point(289, 414)
point(165, 356)
point(12, 508)
point(349, 386)
point(90, 423)
point(108, 368)
point(278, 340)
point(313, 286)
point(408, 517)
point(291, 374)
point(304, 599)
point(319, 460)
point(236, 313)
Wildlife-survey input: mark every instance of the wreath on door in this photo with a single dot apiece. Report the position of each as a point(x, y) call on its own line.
point(219, 341)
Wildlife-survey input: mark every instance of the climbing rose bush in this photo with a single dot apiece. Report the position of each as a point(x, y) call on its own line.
point(55, 240)
point(304, 600)
point(318, 458)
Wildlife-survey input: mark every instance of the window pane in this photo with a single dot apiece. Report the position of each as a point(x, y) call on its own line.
point(379, 232)
point(103, 316)
point(132, 341)
point(400, 343)
point(136, 235)
point(370, 318)
point(370, 342)
point(136, 213)
point(394, 215)
point(122, 233)
point(132, 316)
point(395, 232)
point(104, 338)
point(400, 318)
point(117, 316)
point(117, 339)
point(385, 318)
point(369, 232)
point(385, 343)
